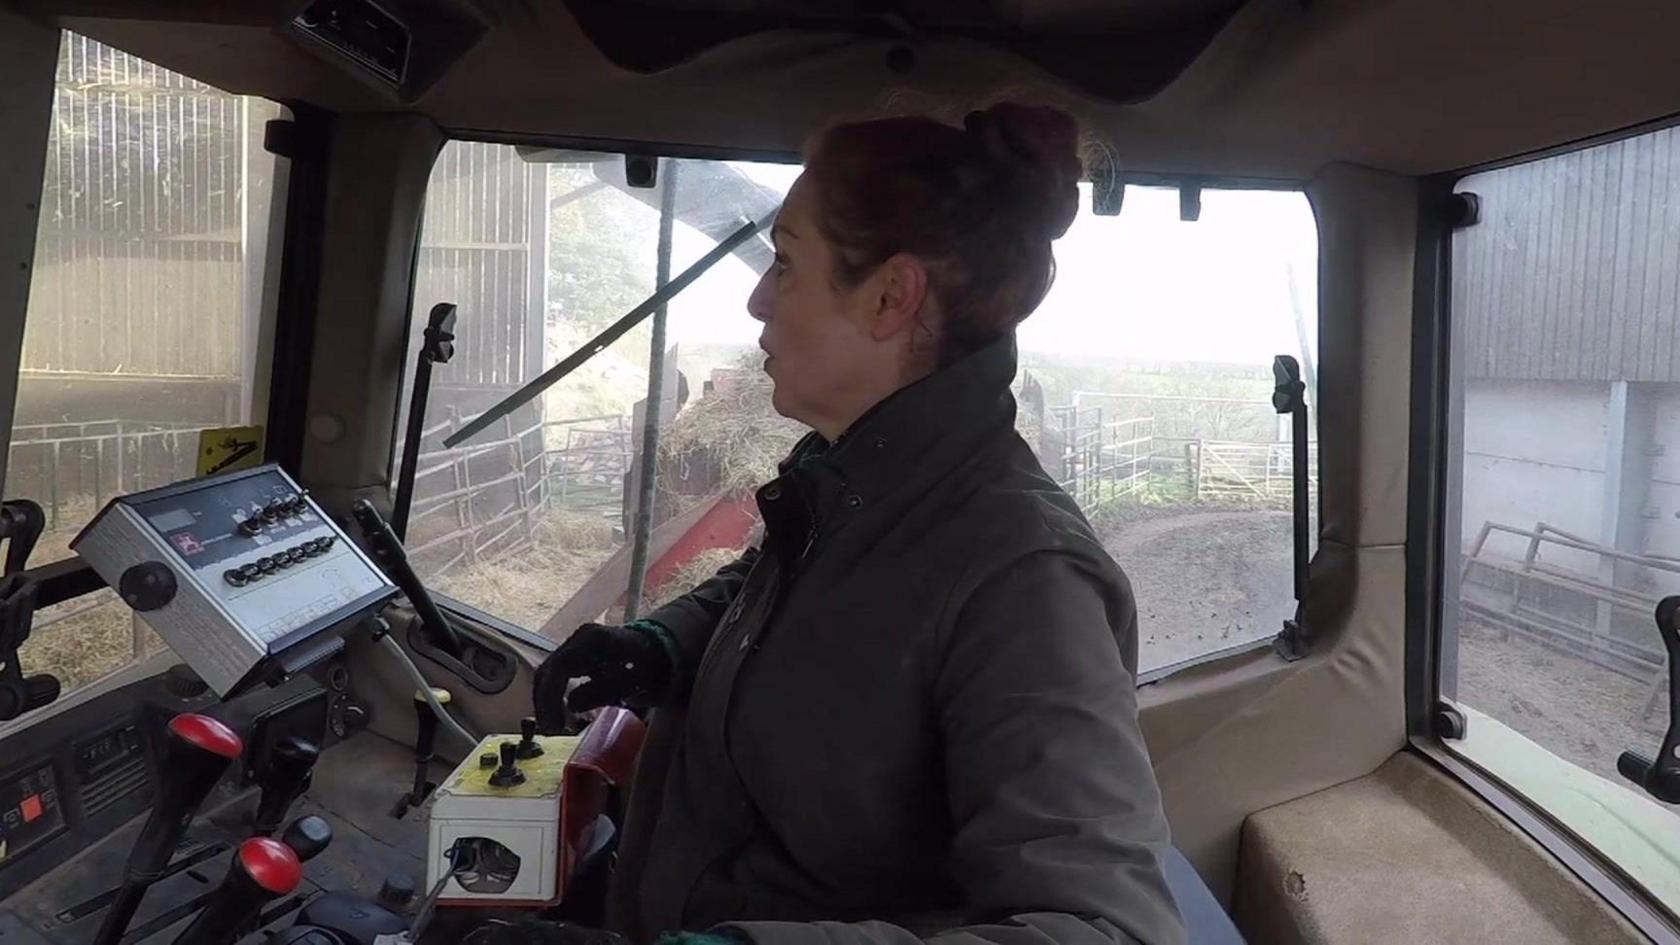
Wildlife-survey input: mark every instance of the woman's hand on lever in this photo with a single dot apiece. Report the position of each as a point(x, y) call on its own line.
point(627, 665)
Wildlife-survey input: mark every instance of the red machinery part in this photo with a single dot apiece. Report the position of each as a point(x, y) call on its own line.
point(605, 758)
point(272, 864)
point(208, 734)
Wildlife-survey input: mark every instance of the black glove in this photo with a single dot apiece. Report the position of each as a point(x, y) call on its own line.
point(627, 665)
point(538, 932)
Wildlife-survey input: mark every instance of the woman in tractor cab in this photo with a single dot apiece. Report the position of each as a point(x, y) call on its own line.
point(910, 714)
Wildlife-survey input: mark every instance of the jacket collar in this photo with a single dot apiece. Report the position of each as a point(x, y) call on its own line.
point(924, 429)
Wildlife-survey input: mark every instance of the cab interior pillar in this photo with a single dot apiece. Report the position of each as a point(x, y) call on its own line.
point(378, 168)
point(30, 52)
point(1224, 749)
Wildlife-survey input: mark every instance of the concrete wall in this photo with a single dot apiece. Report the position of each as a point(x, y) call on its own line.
point(1537, 451)
point(1534, 451)
point(1662, 506)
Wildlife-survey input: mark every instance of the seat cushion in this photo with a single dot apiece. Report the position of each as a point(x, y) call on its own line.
point(1407, 855)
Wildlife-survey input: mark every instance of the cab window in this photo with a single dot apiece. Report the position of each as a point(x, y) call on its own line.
point(1565, 528)
point(145, 306)
point(1145, 387)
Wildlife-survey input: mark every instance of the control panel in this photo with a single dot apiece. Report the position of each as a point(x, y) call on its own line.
point(241, 573)
point(30, 813)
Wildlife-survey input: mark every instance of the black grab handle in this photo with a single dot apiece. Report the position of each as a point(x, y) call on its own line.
point(1661, 777)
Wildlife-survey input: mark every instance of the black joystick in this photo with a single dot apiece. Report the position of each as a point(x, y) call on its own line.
point(262, 870)
point(508, 775)
point(308, 836)
point(197, 750)
point(425, 742)
point(528, 746)
point(288, 775)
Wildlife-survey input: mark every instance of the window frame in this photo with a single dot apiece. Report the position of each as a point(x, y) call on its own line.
point(628, 148)
point(1434, 504)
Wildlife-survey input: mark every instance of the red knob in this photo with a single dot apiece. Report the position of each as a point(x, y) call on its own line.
point(272, 864)
point(205, 732)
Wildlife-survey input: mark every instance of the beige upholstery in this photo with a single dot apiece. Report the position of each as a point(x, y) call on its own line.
point(1237, 736)
point(1404, 856)
point(377, 176)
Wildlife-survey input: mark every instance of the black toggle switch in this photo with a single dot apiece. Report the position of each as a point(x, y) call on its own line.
point(234, 576)
point(250, 527)
point(251, 572)
point(508, 775)
point(528, 747)
point(266, 564)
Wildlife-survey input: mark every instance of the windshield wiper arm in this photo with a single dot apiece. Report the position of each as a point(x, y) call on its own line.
point(610, 334)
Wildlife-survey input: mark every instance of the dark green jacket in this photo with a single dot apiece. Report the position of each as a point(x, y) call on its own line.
point(911, 714)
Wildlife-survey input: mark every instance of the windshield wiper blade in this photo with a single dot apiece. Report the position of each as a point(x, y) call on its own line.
point(610, 334)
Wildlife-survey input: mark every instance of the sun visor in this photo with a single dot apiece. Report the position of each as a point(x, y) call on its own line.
point(1123, 52)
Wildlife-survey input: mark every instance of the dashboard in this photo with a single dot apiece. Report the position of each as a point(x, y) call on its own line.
point(77, 782)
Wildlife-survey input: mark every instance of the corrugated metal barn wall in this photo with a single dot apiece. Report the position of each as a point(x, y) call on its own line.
point(1584, 282)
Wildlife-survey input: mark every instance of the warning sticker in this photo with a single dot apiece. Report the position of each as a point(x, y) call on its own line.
point(229, 448)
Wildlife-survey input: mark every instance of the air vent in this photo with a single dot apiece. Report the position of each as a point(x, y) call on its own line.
point(114, 784)
point(361, 31)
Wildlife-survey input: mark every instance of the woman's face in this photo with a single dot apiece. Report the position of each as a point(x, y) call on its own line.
point(826, 357)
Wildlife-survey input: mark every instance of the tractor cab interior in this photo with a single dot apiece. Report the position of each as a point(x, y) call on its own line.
point(357, 351)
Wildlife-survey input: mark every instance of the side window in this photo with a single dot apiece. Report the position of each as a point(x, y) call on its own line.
point(1567, 533)
point(144, 307)
point(1145, 386)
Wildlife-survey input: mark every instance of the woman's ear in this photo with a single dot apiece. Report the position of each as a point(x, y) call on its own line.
point(901, 296)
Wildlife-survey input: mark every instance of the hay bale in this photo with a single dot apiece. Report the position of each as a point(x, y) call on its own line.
point(736, 428)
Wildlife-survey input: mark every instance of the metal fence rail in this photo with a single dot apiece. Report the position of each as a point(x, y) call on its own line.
point(588, 472)
point(65, 463)
point(1566, 608)
point(1103, 460)
point(478, 501)
point(1259, 471)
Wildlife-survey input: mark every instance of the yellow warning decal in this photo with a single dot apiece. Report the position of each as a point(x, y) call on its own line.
point(225, 449)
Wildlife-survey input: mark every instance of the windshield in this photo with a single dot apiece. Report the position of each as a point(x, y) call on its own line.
point(1145, 387)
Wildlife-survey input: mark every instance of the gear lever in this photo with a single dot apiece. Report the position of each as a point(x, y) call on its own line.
point(425, 742)
point(262, 870)
point(287, 778)
point(197, 750)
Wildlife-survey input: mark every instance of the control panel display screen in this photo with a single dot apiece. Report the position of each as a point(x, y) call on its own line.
point(30, 812)
point(173, 520)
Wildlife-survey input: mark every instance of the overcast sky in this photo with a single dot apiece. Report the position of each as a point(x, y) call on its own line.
point(1143, 285)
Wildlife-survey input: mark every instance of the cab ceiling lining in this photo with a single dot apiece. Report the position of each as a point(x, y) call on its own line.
point(1126, 53)
point(1286, 87)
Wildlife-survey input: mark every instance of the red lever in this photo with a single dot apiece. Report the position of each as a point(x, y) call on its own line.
point(272, 864)
point(263, 870)
point(196, 751)
point(205, 732)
